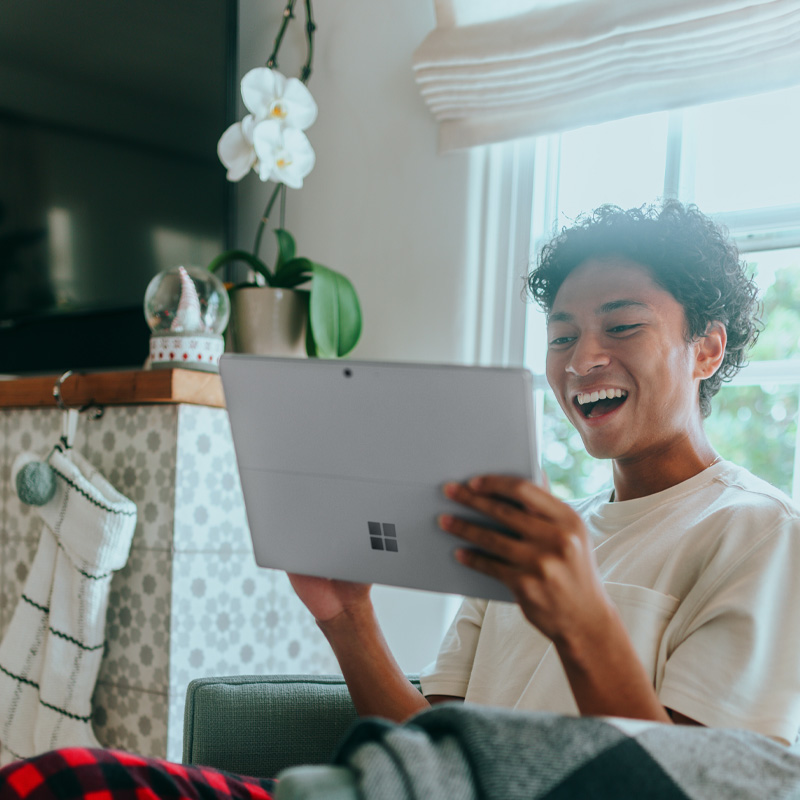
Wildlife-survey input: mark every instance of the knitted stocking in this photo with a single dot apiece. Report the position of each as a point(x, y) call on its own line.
point(92, 526)
point(21, 655)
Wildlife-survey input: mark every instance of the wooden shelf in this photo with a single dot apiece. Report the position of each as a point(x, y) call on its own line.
point(116, 388)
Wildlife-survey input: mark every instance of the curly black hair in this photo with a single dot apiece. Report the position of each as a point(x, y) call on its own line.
point(687, 254)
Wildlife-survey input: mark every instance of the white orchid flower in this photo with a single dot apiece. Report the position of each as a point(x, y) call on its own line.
point(285, 155)
point(235, 148)
point(269, 95)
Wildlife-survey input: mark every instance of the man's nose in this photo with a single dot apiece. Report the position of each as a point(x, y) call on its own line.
point(587, 354)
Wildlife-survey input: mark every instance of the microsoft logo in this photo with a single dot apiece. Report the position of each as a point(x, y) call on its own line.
point(383, 536)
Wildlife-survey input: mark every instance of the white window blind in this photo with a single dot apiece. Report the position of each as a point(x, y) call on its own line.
point(492, 72)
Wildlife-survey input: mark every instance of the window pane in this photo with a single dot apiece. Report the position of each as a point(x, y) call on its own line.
point(620, 162)
point(572, 472)
point(535, 358)
point(777, 273)
point(755, 426)
point(746, 152)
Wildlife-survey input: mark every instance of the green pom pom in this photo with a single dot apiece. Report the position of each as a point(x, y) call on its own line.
point(36, 483)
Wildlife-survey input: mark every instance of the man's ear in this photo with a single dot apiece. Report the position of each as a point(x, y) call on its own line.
point(710, 350)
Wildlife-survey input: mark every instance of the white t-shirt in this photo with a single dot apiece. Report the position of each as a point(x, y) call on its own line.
point(706, 578)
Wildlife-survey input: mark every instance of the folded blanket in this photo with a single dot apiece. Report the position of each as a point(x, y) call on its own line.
point(473, 752)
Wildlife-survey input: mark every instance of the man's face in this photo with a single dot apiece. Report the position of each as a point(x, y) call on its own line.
point(613, 331)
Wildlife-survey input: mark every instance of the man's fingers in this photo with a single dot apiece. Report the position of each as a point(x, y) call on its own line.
point(534, 498)
point(511, 514)
point(486, 564)
point(498, 544)
point(518, 582)
point(515, 508)
point(519, 492)
point(522, 552)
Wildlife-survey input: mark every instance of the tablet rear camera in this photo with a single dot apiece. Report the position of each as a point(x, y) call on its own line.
point(348, 373)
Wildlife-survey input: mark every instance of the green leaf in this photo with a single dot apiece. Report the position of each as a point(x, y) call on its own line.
point(334, 313)
point(286, 248)
point(292, 273)
point(311, 347)
point(252, 261)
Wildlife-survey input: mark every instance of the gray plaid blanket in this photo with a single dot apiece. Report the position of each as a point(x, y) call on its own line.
point(478, 753)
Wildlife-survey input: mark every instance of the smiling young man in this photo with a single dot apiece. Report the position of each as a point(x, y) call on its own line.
point(671, 596)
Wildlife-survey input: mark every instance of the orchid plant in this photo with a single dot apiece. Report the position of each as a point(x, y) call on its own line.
point(270, 141)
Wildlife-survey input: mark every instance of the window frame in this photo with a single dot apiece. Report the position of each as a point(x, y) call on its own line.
point(517, 182)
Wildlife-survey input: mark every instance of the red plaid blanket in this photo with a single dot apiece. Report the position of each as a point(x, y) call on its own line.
point(81, 774)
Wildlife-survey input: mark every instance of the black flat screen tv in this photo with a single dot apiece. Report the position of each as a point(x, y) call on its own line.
point(110, 112)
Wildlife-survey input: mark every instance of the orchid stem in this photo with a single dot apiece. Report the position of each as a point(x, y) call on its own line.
point(265, 218)
point(305, 74)
point(272, 63)
point(288, 13)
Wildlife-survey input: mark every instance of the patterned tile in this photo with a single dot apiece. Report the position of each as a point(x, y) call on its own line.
point(177, 704)
point(230, 617)
point(209, 507)
point(130, 719)
point(36, 429)
point(135, 448)
point(138, 623)
point(28, 430)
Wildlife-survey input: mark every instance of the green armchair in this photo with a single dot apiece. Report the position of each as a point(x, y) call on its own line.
point(263, 725)
point(267, 726)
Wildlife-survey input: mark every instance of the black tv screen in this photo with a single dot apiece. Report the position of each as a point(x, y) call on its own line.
point(110, 112)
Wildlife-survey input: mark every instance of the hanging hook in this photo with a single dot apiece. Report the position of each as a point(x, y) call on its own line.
point(70, 421)
point(70, 424)
point(57, 391)
point(36, 481)
point(96, 411)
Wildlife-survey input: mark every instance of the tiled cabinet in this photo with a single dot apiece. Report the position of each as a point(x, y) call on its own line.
point(191, 602)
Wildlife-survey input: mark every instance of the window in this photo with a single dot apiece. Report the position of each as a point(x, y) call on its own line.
point(738, 160)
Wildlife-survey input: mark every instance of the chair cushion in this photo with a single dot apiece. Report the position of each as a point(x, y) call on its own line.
point(259, 725)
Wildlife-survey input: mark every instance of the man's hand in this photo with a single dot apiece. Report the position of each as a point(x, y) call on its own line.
point(326, 598)
point(345, 615)
point(550, 569)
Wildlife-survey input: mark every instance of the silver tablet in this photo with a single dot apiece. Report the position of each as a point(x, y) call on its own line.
point(342, 462)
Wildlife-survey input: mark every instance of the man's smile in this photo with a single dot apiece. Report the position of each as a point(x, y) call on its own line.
point(599, 402)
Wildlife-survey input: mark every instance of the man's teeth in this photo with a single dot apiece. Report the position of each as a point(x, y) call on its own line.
point(603, 394)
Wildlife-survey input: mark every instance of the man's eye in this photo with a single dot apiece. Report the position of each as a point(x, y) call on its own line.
point(623, 328)
point(561, 340)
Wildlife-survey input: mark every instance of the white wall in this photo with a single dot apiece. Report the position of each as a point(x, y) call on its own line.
point(380, 206)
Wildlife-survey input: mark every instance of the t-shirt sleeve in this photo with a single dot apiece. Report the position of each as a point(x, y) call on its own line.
point(736, 657)
point(450, 673)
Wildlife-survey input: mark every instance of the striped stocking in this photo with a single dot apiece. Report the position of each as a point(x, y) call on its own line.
point(51, 653)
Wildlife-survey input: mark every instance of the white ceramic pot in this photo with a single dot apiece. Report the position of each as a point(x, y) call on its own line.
point(267, 322)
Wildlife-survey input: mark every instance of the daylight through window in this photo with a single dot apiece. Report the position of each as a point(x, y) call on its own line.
point(738, 160)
